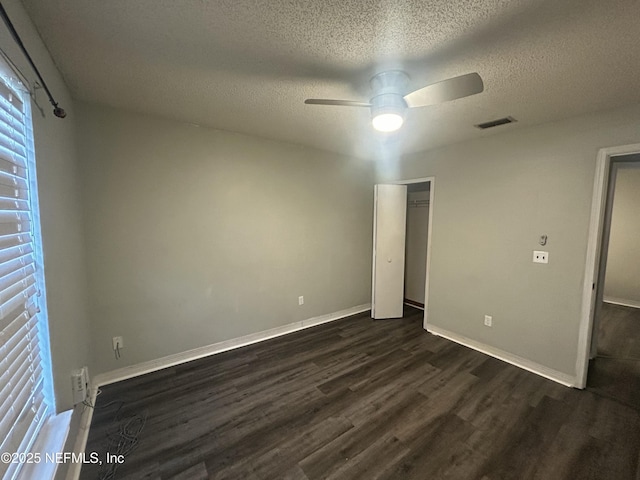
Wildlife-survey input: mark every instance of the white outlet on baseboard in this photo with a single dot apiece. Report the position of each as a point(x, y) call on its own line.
point(488, 320)
point(540, 257)
point(301, 300)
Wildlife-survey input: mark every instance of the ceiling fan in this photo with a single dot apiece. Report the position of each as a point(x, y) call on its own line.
point(390, 99)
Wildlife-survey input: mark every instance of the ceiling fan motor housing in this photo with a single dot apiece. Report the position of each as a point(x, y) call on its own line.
point(389, 89)
point(388, 103)
point(393, 81)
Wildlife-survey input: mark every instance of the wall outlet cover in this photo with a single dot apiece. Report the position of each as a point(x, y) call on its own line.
point(80, 384)
point(540, 256)
point(118, 343)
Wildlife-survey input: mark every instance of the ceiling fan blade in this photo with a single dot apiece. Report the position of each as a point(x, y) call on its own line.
point(456, 87)
point(339, 103)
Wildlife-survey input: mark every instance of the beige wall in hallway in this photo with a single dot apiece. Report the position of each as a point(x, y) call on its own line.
point(622, 280)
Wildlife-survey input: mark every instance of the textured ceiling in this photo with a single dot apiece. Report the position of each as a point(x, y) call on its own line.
point(247, 66)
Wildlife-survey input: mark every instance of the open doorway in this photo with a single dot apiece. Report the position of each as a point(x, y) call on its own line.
point(615, 347)
point(403, 214)
point(417, 236)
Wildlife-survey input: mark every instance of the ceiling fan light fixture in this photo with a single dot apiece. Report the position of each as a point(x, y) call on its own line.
point(387, 122)
point(387, 112)
point(390, 98)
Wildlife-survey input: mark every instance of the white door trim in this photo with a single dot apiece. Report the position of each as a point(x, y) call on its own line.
point(432, 183)
point(594, 241)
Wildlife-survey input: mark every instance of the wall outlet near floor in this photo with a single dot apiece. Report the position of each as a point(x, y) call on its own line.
point(80, 384)
point(118, 343)
point(488, 320)
point(300, 300)
point(540, 257)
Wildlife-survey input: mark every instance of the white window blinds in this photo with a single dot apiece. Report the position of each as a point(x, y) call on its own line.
point(23, 408)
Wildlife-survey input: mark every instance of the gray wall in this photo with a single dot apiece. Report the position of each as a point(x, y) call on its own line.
point(195, 236)
point(493, 198)
point(622, 280)
point(60, 209)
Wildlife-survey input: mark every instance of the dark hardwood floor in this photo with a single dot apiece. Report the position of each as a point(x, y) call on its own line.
point(615, 372)
point(361, 399)
point(619, 332)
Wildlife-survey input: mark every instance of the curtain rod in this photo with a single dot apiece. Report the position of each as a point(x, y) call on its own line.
point(57, 111)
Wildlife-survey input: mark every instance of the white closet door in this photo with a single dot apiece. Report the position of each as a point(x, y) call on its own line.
point(389, 229)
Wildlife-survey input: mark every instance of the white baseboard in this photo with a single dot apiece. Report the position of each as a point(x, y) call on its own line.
point(201, 352)
point(533, 367)
point(413, 305)
point(73, 473)
point(622, 301)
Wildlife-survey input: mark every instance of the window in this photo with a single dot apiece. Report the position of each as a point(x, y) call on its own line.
point(25, 386)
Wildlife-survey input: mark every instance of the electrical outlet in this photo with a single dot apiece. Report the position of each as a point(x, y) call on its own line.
point(540, 257)
point(300, 300)
point(488, 320)
point(118, 343)
point(80, 384)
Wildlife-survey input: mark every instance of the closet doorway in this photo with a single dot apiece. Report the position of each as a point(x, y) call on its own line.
point(403, 214)
point(417, 234)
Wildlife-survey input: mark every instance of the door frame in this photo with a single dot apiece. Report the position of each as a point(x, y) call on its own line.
point(431, 181)
point(592, 275)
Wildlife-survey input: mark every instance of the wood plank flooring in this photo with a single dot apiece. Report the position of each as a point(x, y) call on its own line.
point(615, 372)
point(619, 332)
point(362, 399)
